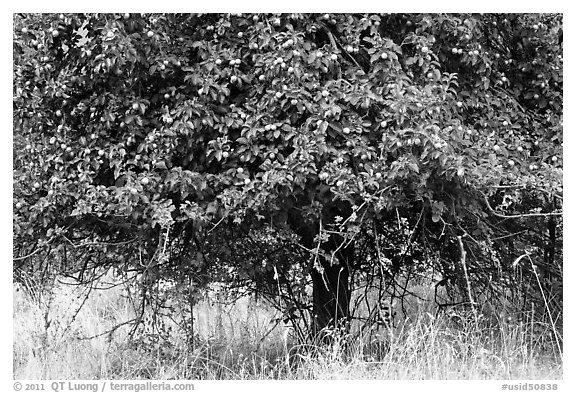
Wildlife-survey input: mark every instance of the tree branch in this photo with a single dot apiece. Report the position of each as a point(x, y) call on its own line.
point(27, 256)
point(333, 42)
point(495, 213)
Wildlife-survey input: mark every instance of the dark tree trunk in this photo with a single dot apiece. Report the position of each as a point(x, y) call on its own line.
point(331, 289)
point(550, 248)
point(330, 272)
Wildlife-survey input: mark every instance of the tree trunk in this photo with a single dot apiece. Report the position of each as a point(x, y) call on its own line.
point(330, 279)
point(330, 273)
point(331, 290)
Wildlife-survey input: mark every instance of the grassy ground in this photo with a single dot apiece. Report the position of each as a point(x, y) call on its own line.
point(237, 341)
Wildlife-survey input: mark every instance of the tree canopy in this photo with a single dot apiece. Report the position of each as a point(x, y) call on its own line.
point(242, 146)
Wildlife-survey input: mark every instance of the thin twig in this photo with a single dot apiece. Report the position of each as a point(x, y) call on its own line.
point(110, 331)
point(122, 243)
point(27, 256)
point(333, 42)
point(216, 225)
point(545, 304)
point(468, 287)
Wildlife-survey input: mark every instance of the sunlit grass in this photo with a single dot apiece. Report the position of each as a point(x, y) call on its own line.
point(52, 340)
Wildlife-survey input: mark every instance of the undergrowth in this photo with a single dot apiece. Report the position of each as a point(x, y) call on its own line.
point(59, 335)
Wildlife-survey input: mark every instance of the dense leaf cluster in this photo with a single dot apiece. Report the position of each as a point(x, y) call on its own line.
point(157, 131)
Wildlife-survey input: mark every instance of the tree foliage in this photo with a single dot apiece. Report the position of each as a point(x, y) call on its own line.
point(358, 143)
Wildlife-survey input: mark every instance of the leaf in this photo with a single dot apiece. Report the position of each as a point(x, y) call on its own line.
point(160, 165)
point(129, 119)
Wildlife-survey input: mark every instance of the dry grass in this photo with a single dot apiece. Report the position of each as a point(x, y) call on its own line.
point(239, 342)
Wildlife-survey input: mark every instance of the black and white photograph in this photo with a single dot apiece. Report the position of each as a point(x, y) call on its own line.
point(287, 196)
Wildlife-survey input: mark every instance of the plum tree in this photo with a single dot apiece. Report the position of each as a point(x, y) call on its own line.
point(335, 132)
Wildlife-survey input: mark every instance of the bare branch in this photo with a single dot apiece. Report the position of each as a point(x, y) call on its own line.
point(110, 331)
point(495, 213)
point(468, 286)
point(123, 243)
point(27, 256)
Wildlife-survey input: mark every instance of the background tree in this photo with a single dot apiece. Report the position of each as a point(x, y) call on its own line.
point(273, 149)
